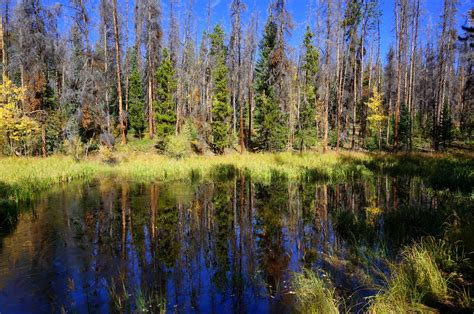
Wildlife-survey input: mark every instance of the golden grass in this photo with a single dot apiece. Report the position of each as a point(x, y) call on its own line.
point(260, 166)
point(21, 178)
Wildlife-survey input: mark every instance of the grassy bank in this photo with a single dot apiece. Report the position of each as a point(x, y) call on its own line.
point(22, 178)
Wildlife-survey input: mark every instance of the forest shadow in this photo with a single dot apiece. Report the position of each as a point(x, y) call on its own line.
point(455, 172)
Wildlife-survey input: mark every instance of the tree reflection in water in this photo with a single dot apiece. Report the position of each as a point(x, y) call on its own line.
point(227, 245)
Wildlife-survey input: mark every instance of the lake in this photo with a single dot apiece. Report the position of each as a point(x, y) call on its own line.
point(229, 245)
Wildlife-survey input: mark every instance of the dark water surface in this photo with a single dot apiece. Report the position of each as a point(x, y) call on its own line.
point(211, 247)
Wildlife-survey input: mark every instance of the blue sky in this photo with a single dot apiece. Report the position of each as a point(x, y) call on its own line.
point(431, 12)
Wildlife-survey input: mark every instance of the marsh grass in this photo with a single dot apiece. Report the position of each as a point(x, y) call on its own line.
point(449, 257)
point(146, 302)
point(22, 178)
point(313, 294)
point(119, 295)
point(125, 300)
point(418, 279)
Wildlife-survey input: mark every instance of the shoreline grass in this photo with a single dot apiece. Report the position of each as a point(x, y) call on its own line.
point(420, 282)
point(416, 281)
point(22, 178)
point(313, 294)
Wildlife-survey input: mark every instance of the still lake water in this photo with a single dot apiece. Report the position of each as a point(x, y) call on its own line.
point(222, 246)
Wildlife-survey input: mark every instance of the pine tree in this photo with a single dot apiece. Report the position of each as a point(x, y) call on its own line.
point(404, 127)
point(165, 92)
point(136, 98)
point(446, 125)
point(54, 121)
point(270, 120)
point(306, 133)
point(221, 110)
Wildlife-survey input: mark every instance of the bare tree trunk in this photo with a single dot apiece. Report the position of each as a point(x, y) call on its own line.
point(379, 62)
point(411, 88)
point(138, 31)
point(370, 64)
point(361, 81)
point(106, 70)
point(22, 68)
point(241, 129)
point(150, 66)
point(328, 77)
point(445, 61)
point(354, 108)
point(400, 18)
point(342, 79)
point(6, 36)
point(387, 139)
point(118, 72)
point(151, 112)
point(249, 139)
point(43, 140)
point(4, 49)
point(234, 113)
point(127, 65)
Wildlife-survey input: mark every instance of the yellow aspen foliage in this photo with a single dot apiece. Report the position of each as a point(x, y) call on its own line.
point(16, 128)
point(376, 116)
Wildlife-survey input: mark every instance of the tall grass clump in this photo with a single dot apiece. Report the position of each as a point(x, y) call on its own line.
point(313, 295)
point(447, 256)
point(417, 280)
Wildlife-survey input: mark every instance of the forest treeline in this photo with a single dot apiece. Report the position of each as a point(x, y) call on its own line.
point(74, 83)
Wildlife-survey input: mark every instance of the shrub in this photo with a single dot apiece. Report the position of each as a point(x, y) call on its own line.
point(73, 147)
point(178, 146)
point(183, 144)
point(106, 154)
